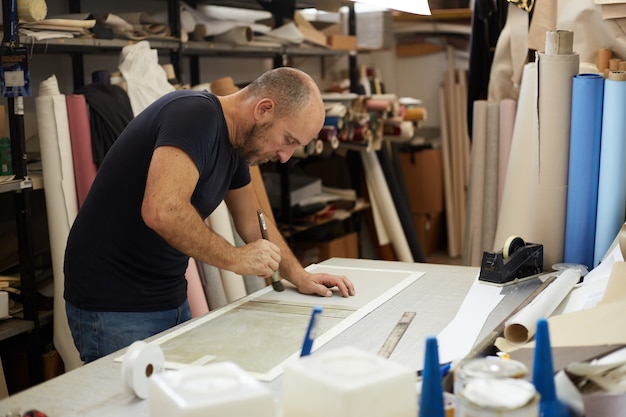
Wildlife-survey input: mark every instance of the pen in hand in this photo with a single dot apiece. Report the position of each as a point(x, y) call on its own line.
point(276, 284)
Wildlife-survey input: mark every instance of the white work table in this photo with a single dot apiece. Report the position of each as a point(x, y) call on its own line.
point(96, 389)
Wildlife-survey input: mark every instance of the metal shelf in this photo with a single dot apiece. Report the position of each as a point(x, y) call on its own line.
point(15, 185)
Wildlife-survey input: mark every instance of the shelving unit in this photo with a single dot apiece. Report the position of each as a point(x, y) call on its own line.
point(21, 188)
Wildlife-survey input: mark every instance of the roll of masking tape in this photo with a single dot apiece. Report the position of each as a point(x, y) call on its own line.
point(140, 362)
point(32, 10)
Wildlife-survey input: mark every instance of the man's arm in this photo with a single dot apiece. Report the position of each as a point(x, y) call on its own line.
point(243, 205)
point(167, 209)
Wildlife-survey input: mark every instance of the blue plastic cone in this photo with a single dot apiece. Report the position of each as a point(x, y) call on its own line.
point(431, 398)
point(543, 375)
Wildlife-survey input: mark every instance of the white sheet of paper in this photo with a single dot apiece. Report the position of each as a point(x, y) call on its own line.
point(458, 337)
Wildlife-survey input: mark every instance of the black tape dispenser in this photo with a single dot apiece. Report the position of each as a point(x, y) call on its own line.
point(517, 260)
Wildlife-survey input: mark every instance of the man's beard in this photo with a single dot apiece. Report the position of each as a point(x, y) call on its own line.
point(249, 149)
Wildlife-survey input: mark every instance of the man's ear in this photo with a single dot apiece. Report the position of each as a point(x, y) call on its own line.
point(264, 110)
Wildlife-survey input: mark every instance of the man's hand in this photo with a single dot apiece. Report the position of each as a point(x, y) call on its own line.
point(260, 258)
point(321, 284)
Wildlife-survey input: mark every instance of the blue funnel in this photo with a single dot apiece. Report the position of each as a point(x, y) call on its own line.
point(431, 398)
point(543, 375)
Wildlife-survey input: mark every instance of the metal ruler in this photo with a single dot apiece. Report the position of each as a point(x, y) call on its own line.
point(396, 334)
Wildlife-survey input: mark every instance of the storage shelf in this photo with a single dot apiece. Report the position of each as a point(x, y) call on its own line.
point(91, 45)
point(199, 48)
point(292, 230)
point(15, 185)
point(14, 326)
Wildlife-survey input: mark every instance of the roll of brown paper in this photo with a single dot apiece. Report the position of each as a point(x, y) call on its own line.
point(224, 86)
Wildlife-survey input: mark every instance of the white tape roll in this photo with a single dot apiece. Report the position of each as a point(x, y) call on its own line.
point(140, 362)
point(32, 10)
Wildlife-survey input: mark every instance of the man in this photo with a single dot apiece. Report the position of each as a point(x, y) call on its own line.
point(143, 218)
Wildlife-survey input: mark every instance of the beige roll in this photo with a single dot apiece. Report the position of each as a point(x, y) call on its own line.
point(240, 35)
point(415, 114)
point(32, 10)
point(604, 56)
point(617, 75)
point(223, 86)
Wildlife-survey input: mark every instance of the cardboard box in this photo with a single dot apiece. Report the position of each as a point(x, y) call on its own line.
point(346, 246)
point(423, 176)
point(430, 231)
point(341, 42)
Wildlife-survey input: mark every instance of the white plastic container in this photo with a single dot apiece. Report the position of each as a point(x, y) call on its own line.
point(222, 389)
point(347, 382)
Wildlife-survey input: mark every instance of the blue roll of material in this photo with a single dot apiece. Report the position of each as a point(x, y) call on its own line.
point(612, 178)
point(584, 168)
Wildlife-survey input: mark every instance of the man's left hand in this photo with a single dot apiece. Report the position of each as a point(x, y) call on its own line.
point(321, 284)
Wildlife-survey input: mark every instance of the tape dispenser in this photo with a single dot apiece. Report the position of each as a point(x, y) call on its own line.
point(516, 261)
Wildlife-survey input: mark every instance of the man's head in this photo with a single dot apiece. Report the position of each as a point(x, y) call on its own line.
point(288, 112)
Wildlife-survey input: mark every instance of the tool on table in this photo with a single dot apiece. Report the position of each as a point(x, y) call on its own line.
point(276, 284)
point(396, 333)
point(516, 261)
point(311, 331)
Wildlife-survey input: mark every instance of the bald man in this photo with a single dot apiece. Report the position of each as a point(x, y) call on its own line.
point(145, 213)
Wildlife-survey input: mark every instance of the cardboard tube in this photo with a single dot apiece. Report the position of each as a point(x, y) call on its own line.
point(602, 61)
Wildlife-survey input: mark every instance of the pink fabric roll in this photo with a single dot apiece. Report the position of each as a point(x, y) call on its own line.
point(195, 293)
point(80, 138)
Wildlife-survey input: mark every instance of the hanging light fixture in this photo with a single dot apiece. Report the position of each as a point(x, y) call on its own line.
point(408, 6)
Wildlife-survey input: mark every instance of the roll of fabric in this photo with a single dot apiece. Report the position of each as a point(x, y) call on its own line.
point(61, 201)
point(384, 204)
point(234, 286)
point(508, 108)
point(555, 72)
point(224, 86)
point(195, 292)
point(401, 203)
point(212, 284)
point(80, 136)
point(32, 10)
point(584, 169)
point(145, 77)
point(612, 175)
point(239, 35)
point(490, 203)
point(472, 248)
point(515, 208)
point(101, 76)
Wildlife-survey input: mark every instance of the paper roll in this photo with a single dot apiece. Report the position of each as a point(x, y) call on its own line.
point(612, 174)
point(551, 153)
point(224, 86)
point(415, 114)
point(32, 10)
point(521, 328)
point(584, 168)
point(559, 42)
point(140, 362)
point(239, 35)
point(604, 56)
point(61, 200)
point(378, 105)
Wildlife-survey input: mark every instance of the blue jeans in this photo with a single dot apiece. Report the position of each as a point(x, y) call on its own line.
point(99, 333)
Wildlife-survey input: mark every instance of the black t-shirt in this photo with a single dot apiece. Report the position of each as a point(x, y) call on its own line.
point(113, 261)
